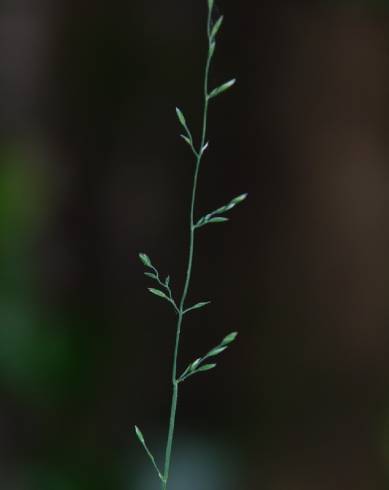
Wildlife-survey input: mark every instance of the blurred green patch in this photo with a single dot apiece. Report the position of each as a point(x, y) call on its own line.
point(35, 352)
point(23, 190)
point(34, 359)
point(23, 207)
point(85, 477)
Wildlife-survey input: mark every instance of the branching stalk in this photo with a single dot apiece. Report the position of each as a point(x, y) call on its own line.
point(214, 217)
point(200, 153)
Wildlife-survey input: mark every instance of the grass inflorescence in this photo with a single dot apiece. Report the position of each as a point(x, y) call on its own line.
point(163, 289)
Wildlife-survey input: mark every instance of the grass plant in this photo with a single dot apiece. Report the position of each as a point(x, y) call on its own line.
point(163, 289)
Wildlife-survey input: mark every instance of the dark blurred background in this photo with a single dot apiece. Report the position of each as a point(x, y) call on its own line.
point(92, 171)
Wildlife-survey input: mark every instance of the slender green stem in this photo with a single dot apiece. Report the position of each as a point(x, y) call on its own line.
point(181, 311)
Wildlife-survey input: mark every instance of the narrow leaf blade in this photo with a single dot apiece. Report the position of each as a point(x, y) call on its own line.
point(204, 148)
point(205, 367)
point(230, 206)
point(151, 275)
point(239, 199)
point(216, 351)
point(212, 48)
point(158, 292)
point(221, 210)
point(222, 88)
point(139, 435)
point(152, 459)
point(186, 139)
point(198, 305)
point(181, 117)
point(195, 364)
point(217, 219)
point(229, 338)
point(213, 218)
point(216, 27)
point(145, 260)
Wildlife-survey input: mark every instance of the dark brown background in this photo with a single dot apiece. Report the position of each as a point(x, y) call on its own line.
point(93, 172)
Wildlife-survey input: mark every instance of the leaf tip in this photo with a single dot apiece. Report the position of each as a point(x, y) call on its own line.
point(240, 198)
point(206, 367)
point(186, 139)
point(204, 148)
point(222, 88)
point(139, 434)
point(216, 27)
point(158, 292)
point(229, 338)
point(181, 116)
point(145, 259)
